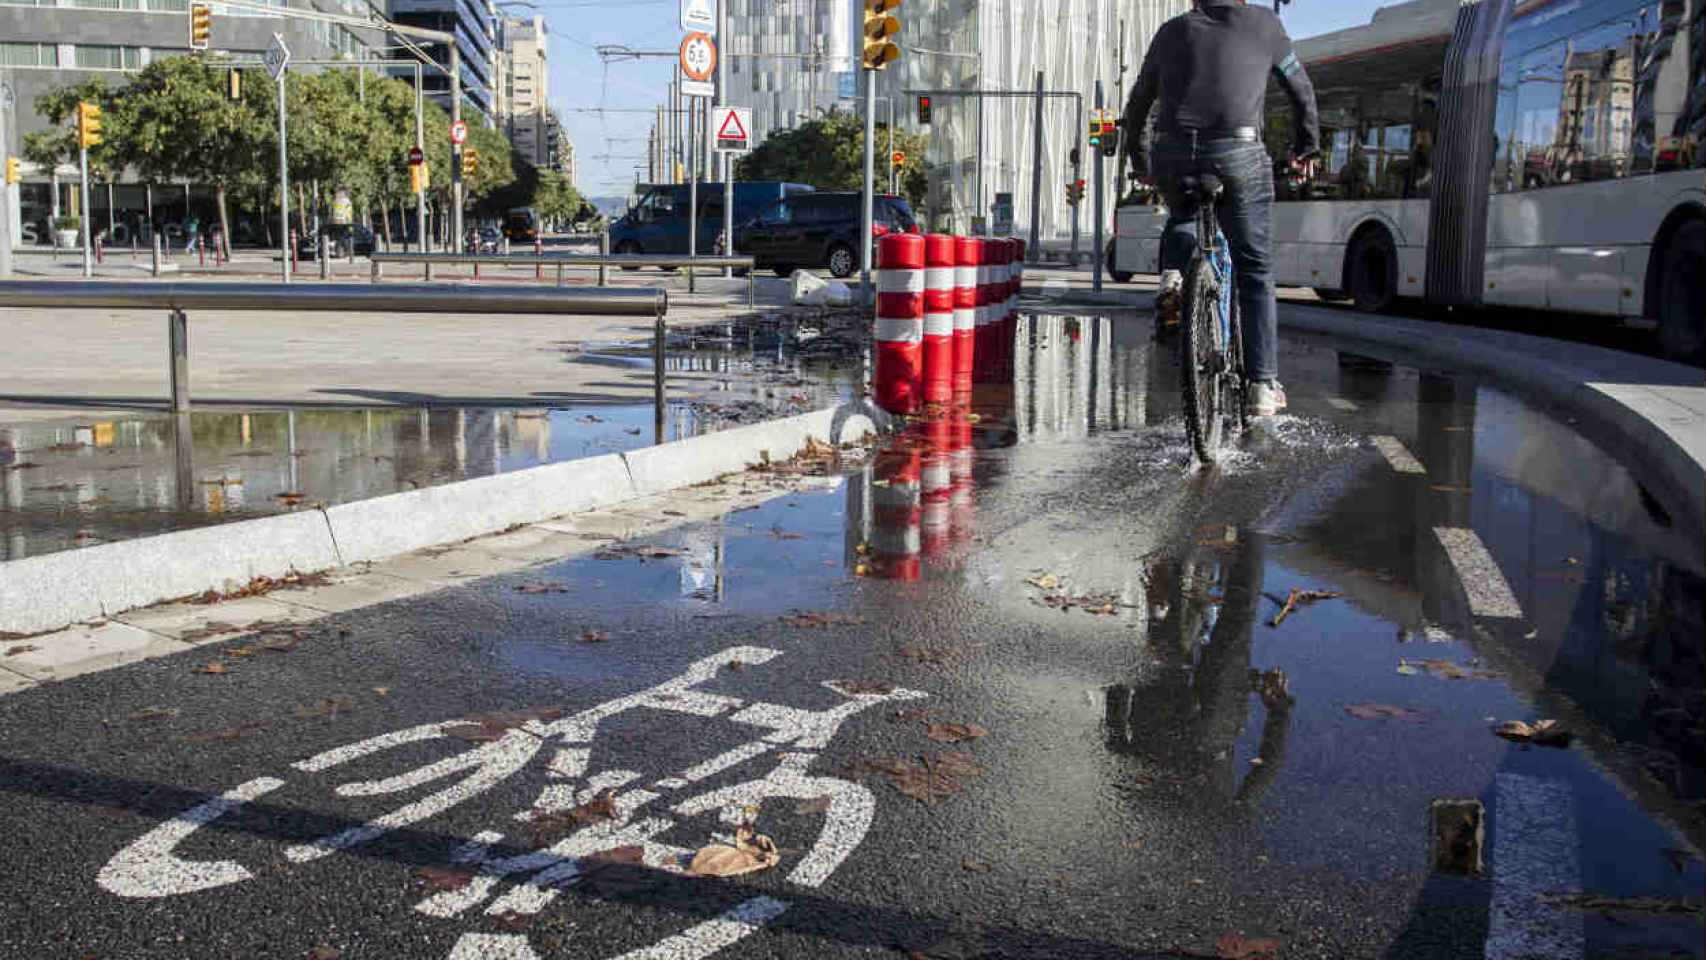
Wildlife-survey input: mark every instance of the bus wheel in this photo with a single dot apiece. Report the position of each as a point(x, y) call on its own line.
point(628, 248)
point(1682, 295)
point(1371, 272)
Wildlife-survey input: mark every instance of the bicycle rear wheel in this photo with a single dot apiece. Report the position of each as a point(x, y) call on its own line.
point(1201, 358)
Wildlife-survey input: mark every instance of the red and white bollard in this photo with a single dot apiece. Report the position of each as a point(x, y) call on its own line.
point(939, 254)
point(1010, 313)
point(986, 293)
point(897, 512)
point(539, 254)
point(965, 313)
point(900, 323)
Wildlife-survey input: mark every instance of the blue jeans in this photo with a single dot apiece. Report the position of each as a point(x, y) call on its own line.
point(1246, 214)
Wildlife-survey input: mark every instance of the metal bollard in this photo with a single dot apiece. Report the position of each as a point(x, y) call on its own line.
point(325, 258)
point(156, 257)
point(100, 251)
point(659, 383)
point(293, 252)
point(559, 274)
point(539, 255)
point(604, 251)
point(375, 271)
point(178, 339)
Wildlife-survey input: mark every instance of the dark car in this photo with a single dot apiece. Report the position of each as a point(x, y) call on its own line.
point(339, 236)
point(819, 230)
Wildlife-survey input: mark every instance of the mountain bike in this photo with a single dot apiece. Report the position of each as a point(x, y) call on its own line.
point(1211, 345)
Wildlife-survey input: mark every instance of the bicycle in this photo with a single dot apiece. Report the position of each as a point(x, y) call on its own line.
point(1211, 345)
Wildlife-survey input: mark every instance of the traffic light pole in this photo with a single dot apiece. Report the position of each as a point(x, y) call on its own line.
point(870, 184)
point(88, 219)
point(728, 161)
point(5, 187)
point(283, 187)
point(1096, 283)
point(456, 185)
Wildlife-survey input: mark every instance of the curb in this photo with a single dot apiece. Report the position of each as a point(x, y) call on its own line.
point(51, 591)
point(1620, 394)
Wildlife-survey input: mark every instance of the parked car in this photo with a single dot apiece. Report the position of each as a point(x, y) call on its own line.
point(339, 237)
point(658, 223)
point(819, 230)
point(483, 240)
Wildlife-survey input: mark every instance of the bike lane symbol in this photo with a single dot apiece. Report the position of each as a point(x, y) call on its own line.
point(148, 868)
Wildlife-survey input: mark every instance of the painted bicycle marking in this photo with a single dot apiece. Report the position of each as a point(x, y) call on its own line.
point(150, 869)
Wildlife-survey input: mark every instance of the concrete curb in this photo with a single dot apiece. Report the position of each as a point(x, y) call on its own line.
point(39, 594)
point(1622, 395)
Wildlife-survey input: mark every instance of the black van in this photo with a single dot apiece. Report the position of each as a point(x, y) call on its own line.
point(818, 230)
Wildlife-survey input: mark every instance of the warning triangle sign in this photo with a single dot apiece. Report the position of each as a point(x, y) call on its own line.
point(731, 128)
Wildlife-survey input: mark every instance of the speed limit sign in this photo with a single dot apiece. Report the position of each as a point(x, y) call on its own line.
point(459, 132)
point(698, 56)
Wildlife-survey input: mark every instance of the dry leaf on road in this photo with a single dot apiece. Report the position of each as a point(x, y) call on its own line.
point(974, 865)
point(1445, 670)
point(1047, 581)
point(484, 728)
point(1233, 946)
point(443, 878)
point(859, 688)
point(954, 732)
point(215, 667)
point(551, 827)
point(1382, 711)
point(1544, 733)
point(751, 853)
point(324, 952)
point(155, 713)
point(815, 621)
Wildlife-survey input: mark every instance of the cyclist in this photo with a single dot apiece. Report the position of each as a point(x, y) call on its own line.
point(1209, 70)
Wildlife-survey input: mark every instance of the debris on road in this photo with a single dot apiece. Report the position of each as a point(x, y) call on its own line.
point(751, 853)
point(811, 620)
point(1445, 670)
point(484, 728)
point(1301, 598)
point(1382, 711)
point(1543, 733)
point(954, 732)
point(540, 587)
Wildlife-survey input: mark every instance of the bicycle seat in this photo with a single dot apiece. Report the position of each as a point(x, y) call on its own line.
point(1204, 186)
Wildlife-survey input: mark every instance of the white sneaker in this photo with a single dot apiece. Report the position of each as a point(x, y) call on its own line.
point(1266, 399)
point(1170, 300)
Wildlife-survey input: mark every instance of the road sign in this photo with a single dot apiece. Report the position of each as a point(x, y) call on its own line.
point(699, 16)
point(277, 56)
point(416, 157)
point(733, 126)
point(698, 88)
point(698, 56)
point(459, 132)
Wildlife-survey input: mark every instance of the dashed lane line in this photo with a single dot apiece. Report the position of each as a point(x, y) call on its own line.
point(1484, 583)
point(1399, 456)
point(1340, 403)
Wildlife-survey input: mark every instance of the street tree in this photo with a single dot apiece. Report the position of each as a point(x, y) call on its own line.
point(828, 153)
point(58, 144)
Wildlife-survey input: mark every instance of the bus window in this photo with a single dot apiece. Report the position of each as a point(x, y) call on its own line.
point(658, 205)
point(1670, 91)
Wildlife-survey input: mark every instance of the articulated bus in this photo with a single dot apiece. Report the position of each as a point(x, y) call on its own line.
point(1531, 153)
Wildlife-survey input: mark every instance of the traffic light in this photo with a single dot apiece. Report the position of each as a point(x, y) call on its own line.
point(420, 177)
point(1110, 137)
point(924, 111)
point(201, 25)
point(899, 159)
point(14, 170)
point(1074, 193)
point(234, 84)
point(470, 161)
point(88, 124)
point(1096, 130)
point(880, 29)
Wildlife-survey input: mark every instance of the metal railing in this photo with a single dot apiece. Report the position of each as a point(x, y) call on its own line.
point(561, 261)
point(175, 298)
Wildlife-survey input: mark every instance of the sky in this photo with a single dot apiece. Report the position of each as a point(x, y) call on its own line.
point(587, 92)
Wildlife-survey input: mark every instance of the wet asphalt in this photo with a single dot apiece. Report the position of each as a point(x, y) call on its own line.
point(1150, 767)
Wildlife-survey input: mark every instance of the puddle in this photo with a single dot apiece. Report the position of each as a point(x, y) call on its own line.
point(1149, 686)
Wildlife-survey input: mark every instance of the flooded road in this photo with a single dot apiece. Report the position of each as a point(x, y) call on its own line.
point(1025, 684)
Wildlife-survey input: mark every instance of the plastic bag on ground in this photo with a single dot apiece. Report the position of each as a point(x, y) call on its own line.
point(814, 291)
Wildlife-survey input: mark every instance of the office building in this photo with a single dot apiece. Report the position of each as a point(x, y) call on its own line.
point(794, 59)
point(474, 23)
point(523, 90)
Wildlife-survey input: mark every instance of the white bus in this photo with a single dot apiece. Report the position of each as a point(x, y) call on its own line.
point(1534, 153)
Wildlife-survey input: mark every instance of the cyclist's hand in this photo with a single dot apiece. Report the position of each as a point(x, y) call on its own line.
point(1306, 166)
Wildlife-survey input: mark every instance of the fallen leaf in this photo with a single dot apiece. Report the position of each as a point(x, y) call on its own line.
point(443, 878)
point(860, 688)
point(910, 715)
point(1445, 670)
point(1134, 844)
point(1233, 946)
point(954, 732)
point(155, 713)
point(211, 628)
point(971, 865)
point(1047, 581)
point(949, 763)
point(930, 656)
point(1382, 711)
point(381, 691)
point(328, 707)
point(541, 587)
point(1544, 733)
point(484, 728)
point(323, 952)
point(629, 855)
point(594, 636)
point(550, 827)
point(21, 648)
point(809, 620)
point(1299, 598)
point(751, 853)
point(215, 667)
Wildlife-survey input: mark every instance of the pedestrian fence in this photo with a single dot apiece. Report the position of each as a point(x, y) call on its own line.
point(565, 261)
point(947, 311)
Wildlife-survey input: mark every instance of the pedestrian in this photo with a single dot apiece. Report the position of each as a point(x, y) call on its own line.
point(192, 234)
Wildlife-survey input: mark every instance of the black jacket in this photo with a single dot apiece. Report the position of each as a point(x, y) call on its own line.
point(1209, 69)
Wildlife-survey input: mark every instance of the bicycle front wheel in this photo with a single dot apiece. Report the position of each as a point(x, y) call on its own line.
point(1202, 355)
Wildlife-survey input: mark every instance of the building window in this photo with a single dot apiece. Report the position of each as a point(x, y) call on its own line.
point(26, 3)
point(90, 56)
point(169, 6)
point(13, 54)
point(107, 4)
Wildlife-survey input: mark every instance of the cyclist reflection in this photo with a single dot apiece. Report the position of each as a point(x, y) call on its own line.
point(1185, 723)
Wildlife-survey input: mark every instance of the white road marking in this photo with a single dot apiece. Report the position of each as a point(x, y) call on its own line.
point(1534, 853)
point(147, 867)
point(493, 946)
point(1340, 403)
point(1399, 456)
point(1483, 582)
point(717, 764)
point(707, 938)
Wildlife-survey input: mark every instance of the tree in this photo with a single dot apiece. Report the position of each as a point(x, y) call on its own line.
point(828, 153)
point(178, 124)
point(59, 143)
